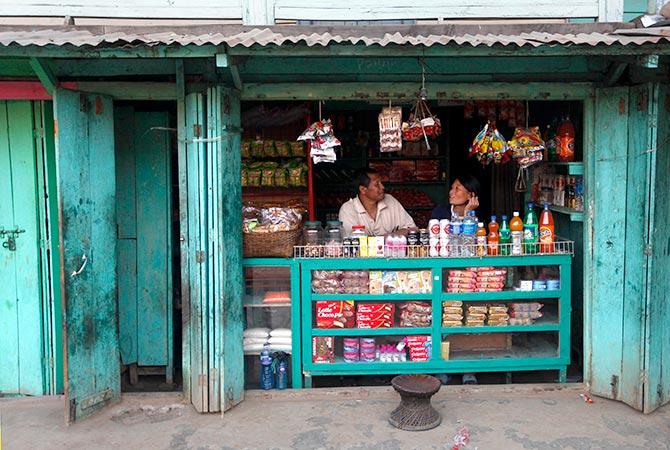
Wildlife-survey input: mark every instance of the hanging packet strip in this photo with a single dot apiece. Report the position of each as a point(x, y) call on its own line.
point(490, 146)
point(322, 141)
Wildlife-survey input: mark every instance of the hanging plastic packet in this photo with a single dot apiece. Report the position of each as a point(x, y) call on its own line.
point(490, 146)
point(527, 146)
point(322, 141)
point(390, 133)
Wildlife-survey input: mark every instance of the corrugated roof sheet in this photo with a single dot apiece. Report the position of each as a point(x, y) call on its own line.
point(416, 35)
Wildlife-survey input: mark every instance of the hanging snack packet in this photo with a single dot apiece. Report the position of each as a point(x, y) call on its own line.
point(490, 146)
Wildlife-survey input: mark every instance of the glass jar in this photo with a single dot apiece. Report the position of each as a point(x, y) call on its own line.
point(333, 238)
point(313, 239)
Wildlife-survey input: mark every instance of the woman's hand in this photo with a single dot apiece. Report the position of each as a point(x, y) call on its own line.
point(473, 203)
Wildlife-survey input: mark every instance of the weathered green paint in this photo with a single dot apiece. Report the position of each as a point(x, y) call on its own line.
point(657, 335)
point(230, 203)
point(85, 155)
point(544, 360)
point(144, 233)
point(408, 91)
point(609, 241)
point(21, 325)
point(197, 246)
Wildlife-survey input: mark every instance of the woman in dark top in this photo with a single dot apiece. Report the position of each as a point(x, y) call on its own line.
point(463, 197)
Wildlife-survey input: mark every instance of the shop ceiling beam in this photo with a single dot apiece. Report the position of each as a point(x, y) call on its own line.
point(614, 73)
point(44, 74)
point(129, 90)
point(407, 91)
point(291, 50)
point(223, 60)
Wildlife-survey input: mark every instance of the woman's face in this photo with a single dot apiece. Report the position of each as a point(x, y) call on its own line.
point(458, 194)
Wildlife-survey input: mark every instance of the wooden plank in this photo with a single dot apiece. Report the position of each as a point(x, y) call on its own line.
point(182, 174)
point(28, 280)
point(407, 91)
point(426, 9)
point(198, 379)
point(126, 211)
point(9, 357)
point(230, 205)
point(53, 250)
point(175, 9)
point(153, 268)
point(127, 298)
point(657, 337)
point(635, 262)
point(609, 219)
point(87, 207)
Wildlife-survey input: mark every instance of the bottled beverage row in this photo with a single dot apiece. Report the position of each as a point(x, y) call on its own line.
point(458, 237)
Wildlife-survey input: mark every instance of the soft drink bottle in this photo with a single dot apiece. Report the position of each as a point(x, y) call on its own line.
point(505, 237)
point(493, 238)
point(516, 231)
point(481, 239)
point(531, 231)
point(546, 230)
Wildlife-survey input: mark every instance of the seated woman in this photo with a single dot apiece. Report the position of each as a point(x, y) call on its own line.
point(463, 197)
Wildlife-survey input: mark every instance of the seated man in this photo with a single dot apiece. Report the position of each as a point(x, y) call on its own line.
point(379, 212)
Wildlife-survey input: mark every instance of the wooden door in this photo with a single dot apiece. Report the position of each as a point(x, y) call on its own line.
point(85, 158)
point(21, 331)
point(626, 355)
point(212, 270)
point(144, 236)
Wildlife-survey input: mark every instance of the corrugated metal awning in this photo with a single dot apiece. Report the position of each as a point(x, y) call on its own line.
point(415, 35)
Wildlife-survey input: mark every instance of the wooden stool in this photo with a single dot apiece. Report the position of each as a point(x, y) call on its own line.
point(415, 413)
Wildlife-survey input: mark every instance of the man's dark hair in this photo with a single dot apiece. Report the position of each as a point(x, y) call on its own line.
point(470, 183)
point(363, 178)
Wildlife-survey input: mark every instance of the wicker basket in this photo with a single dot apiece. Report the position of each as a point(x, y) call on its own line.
point(278, 244)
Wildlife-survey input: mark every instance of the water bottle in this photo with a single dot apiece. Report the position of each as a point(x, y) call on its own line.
point(468, 237)
point(456, 228)
point(267, 377)
point(280, 368)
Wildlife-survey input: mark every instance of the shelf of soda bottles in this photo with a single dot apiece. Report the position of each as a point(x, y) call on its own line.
point(559, 246)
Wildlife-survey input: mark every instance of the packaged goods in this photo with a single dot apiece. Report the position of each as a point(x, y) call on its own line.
point(335, 314)
point(323, 349)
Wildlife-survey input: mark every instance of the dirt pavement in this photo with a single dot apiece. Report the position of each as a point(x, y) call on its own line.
point(497, 417)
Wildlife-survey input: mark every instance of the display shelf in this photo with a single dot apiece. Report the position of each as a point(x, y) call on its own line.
point(575, 216)
point(267, 305)
point(363, 332)
point(572, 168)
point(502, 295)
point(372, 297)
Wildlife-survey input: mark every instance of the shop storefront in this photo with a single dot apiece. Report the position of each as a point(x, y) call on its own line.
point(228, 127)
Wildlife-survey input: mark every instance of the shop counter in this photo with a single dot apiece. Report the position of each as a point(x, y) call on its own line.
point(377, 316)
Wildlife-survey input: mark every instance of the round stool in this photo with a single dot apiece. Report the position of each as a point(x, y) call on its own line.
point(415, 413)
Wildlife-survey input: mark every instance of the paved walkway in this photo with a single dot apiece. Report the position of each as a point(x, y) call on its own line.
point(497, 417)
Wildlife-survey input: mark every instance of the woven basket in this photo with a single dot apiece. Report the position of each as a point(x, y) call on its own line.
point(278, 244)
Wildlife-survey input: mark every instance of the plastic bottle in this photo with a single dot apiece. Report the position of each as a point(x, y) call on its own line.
point(493, 238)
point(546, 230)
point(280, 368)
point(468, 238)
point(565, 135)
point(481, 239)
point(516, 232)
point(267, 377)
point(531, 231)
point(456, 231)
point(505, 237)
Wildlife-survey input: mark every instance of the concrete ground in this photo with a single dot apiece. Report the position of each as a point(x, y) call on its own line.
point(497, 417)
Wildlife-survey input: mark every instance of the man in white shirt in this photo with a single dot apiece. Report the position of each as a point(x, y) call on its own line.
point(379, 212)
